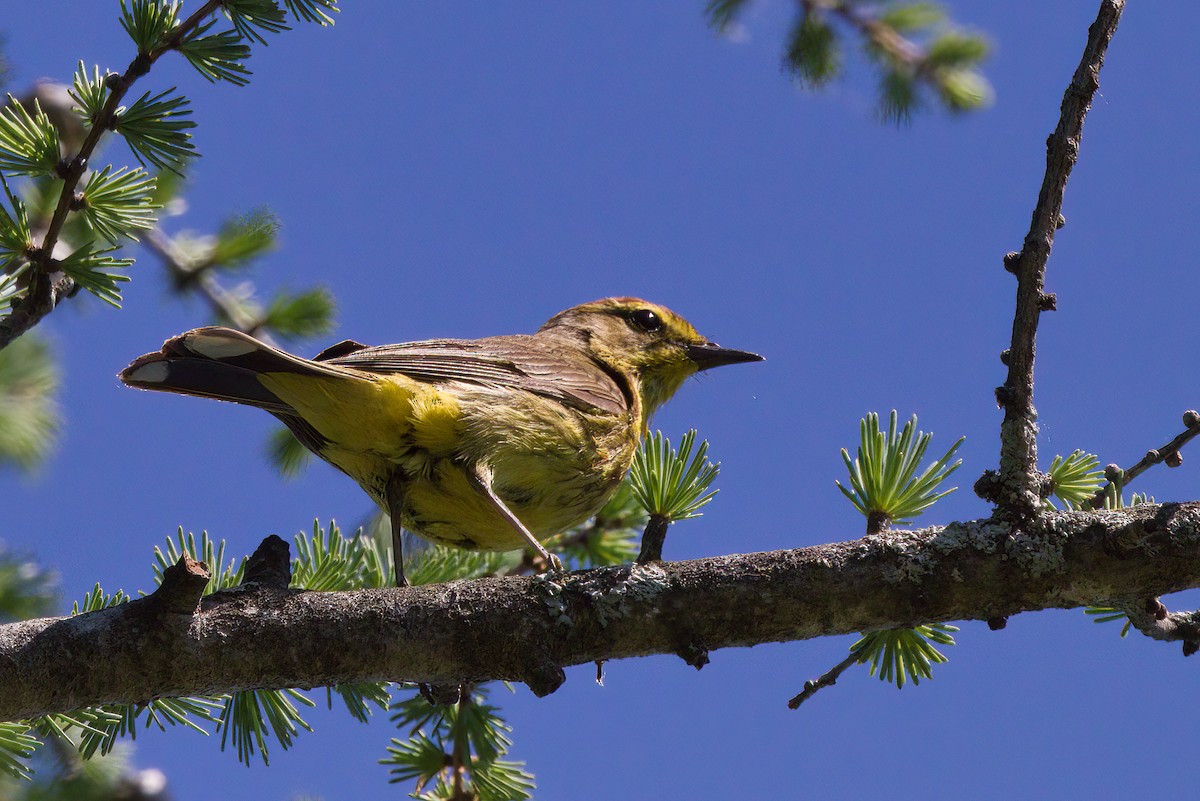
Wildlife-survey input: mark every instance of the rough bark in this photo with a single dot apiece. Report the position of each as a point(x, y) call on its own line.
point(528, 629)
point(1018, 488)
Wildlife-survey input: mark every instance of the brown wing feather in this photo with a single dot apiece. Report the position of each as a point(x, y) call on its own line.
point(521, 362)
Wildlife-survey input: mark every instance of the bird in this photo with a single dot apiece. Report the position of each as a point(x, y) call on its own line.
point(492, 444)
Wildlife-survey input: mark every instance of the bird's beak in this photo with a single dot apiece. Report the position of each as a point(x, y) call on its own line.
point(710, 354)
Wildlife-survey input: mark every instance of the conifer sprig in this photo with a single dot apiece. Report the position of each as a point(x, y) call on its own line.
point(673, 484)
point(116, 204)
point(28, 142)
point(912, 46)
point(95, 269)
point(16, 748)
point(157, 129)
point(219, 56)
point(15, 236)
point(883, 475)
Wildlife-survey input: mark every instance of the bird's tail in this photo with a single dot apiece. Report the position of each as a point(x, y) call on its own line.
point(219, 363)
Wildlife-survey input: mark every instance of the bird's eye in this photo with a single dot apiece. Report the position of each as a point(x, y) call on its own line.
point(646, 320)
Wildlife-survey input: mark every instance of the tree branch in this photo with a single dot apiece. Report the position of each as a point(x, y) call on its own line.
point(1159, 625)
point(200, 279)
point(1168, 453)
point(528, 629)
point(1018, 488)
point(827, 679)
point(48, 286)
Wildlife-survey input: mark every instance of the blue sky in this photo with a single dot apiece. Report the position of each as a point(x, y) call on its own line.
point(472, 169)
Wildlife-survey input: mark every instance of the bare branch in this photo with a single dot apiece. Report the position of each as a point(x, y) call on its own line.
point(1168, 453)
point(1018, 489)
point(528, 629)
point(1154, 621)
point(827, 679)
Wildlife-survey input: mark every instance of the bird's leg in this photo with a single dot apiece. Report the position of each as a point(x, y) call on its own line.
point(397, 552)
point(482, 478)
point(393, 497)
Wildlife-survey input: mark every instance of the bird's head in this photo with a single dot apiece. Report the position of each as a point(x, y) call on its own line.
point(650, 344)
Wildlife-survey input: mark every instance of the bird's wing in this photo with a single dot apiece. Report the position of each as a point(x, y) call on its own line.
point(519, 362)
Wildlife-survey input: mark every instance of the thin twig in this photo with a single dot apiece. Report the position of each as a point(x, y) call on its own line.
point(877, 523)
point(829, 679)
point(903, 53)
point(1168, 453)
point(1017, 493)
point(882, 36)
point(653, 539)
point(48, 286)
point(1153, 620)
point(219, 299)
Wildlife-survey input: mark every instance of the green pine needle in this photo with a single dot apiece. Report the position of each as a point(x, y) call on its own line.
point(897, 655)
point(954, 49)
point(314, 11)
point(304, 314)
point(473, 730)
point(95, 271)
point(28, 142)
point(329, 561)
point(219, 56)
point(287, 454)
point(223, 575)
point(813, 54)
point(27, 588)
point(251, 717)
point(30, 419)
point(116, 204)
point(155, 128)
point(253, 19)
point(884, 478)
point(963, 90)
point(1115, 499)
point(360, 697)
point(898, 96)
point(481, 725)
point(163, 712)
point(911, 17)
point(149, 21)
point(1074, 479)
point(89, 720)
point(437, 564)
point(418, 758)
point(15, 242)
point(609, 538)
point(1107, 614)
point(916, 52)
point(244, 237)
point(159, 712)
point(11, 287)
point(673, 484)
point(96, 599)
point(16, 748)
point(502, 781)
point(89, 91)
point(722, 13)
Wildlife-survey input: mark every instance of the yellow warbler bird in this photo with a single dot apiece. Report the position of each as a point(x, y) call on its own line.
point(491, 443)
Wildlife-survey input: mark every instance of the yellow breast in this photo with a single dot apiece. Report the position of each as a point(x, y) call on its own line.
point(552, 466)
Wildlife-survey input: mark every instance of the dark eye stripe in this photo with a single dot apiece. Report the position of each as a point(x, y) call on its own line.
point(646, 320)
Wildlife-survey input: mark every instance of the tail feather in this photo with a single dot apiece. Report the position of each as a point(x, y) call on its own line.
point(219, 363)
